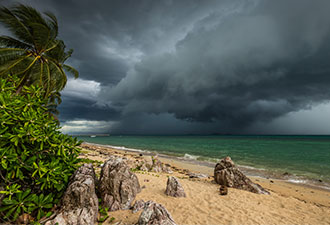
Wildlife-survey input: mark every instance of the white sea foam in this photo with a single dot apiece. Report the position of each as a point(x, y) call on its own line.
point(191, 157)
point(298, 181)
point(127, 149)
point(120, 147)
point(251, 167)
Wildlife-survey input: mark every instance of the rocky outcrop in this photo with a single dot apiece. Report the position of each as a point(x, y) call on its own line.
point(226, 173)
point(158, 166)
point(79, 204)
point(154, 213)
point(174, 188)
point(118, 186)
point(153, 165)
point(138, 205)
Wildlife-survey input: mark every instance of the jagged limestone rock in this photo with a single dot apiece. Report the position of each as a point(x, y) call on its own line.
point(118, 186)
point(154, 213)
point(79, 204)
point(158, 166)
point(227, 173)
point(174, 188)
point(138, 205)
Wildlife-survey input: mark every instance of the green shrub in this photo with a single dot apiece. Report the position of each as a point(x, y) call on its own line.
point(36, 159)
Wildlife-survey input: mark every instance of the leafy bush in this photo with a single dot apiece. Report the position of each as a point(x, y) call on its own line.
point(36, 159)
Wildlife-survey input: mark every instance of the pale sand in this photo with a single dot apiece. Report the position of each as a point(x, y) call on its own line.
point(287, 204)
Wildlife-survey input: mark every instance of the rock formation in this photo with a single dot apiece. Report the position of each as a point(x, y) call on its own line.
point(154, 213)
point(174, 188)
point(79, 204)
point(226, 173)
point(158, 166)
point(153, 165)
point(118, 186)
point(138, 205)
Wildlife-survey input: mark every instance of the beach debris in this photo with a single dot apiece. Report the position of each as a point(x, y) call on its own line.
point(227, 173)
point(79, 204)
point(138, 205)
point(118, 186)
point(174, 188)
point(24, 219)
point(223, 190)
point(197, 175)
point(154, 213)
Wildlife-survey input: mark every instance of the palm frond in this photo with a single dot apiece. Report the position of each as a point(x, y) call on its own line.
point(13, 64)
point(71, 70)
point(8, 56)
point(58, 52)
point(59, 80)
point(41, 34)
point(15, 26)
point(27, 14)
point(53, 24)
point(6, 41)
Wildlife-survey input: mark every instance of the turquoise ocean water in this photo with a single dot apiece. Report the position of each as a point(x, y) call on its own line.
point(303, 157)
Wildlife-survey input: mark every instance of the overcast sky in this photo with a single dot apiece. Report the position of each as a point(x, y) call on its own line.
point(191, 66)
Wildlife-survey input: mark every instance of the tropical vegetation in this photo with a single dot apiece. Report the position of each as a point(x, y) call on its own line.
point(36, 159)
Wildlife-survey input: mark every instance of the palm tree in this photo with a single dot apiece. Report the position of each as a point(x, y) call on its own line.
point(34, 53)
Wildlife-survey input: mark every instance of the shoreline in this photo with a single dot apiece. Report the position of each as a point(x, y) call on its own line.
point(250, 171)
point(302, 192)
point(287, 203)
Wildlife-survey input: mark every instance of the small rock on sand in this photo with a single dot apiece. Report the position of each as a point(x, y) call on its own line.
point(154, 213)
point(223, 190)
point(174, 188)
point(227, 173)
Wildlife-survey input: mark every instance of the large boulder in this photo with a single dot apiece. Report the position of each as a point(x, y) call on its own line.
point(118, 186)
point(226, 173)
point(79, 204)
point(174, 188)
point(155, 214)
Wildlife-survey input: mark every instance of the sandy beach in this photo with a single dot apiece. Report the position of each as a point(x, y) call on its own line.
point(287, 204)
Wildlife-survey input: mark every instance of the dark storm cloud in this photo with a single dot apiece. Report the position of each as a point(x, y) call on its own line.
point(193, 66)
point(249, 66)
